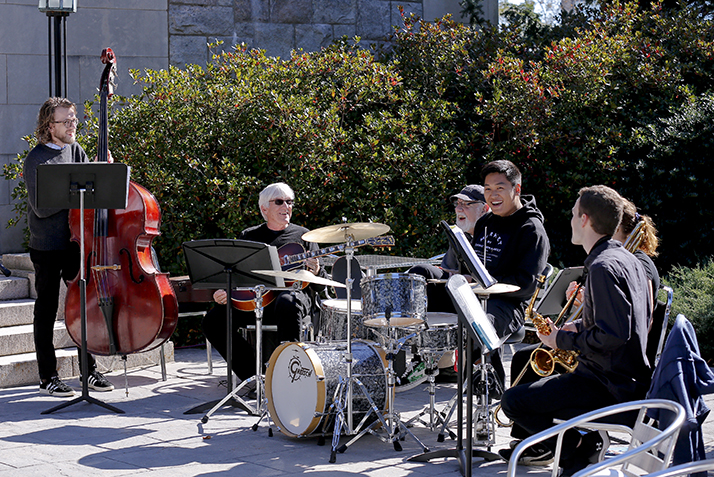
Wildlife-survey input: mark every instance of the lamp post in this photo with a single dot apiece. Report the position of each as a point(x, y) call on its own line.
point(59, 10)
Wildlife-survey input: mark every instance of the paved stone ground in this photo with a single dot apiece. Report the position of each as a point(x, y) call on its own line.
point(155, 438)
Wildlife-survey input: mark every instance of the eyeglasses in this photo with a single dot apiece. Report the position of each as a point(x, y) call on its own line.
point(68, 123)
point(463, 204)
point(281, 201)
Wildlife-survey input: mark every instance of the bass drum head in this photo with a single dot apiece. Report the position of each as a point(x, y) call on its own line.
point(295, 389)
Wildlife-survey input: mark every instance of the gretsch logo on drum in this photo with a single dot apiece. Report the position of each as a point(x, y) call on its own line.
point(296, 370)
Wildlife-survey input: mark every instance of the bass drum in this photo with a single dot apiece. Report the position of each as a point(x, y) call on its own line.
point(301, 380)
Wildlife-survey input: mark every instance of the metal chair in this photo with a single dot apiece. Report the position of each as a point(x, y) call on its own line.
point(650, 449)
point(685, 469)
point(658, 330)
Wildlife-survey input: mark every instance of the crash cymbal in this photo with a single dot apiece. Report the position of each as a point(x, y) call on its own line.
point(397, 322)
point(495, 289)
point(341, 232)
point(301, 276)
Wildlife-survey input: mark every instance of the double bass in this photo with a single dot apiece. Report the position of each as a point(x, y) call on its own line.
point(131, 305)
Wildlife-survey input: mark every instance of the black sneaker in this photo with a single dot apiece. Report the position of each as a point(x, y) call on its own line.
point(592, 449)
point(535, 455)
point(98, 382)
point(595, 445)
point(55, 387)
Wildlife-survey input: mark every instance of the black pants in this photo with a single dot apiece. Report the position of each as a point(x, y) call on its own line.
point(287, 311)
point(50, 268)
point(533, 406)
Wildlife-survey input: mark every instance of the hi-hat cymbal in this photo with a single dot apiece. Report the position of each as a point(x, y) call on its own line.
point(301, 276)
point(495, 289)
point(396, 322)
point(341, 232)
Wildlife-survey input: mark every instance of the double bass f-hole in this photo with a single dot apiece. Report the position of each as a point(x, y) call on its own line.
point(131, 267)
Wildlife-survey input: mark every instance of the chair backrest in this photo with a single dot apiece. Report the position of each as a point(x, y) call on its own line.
point(646, 439)
point(658, 330)
point(339, 274)
point(686, 469)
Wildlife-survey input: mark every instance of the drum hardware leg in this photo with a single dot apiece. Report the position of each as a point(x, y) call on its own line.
point(394, 430)
point(446, 414)
point(432, 370)
point(126, 378)
point(260, 405)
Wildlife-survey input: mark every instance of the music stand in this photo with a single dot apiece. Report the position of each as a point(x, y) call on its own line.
point(226, 263)
point(97, 185)
point(466, 254)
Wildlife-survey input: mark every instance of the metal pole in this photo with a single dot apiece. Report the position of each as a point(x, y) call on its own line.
point(64, 51)
point(58, 56)
point(49, 52)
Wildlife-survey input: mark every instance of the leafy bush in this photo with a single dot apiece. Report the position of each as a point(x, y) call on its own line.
point(337, 125)
point(694, 298)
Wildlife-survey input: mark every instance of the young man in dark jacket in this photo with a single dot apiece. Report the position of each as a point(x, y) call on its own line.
point(512, 243)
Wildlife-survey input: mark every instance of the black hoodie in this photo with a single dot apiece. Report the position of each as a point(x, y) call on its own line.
point(517, 248)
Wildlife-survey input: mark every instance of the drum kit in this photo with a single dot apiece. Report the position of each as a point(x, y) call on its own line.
point(344, 382)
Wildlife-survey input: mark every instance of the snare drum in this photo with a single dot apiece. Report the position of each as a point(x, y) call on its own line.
point(401, 295)
point(302, 378)
point(441, 334)
point(333, 320)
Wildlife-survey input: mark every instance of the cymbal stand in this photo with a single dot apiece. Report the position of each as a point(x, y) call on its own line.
point(260, 408)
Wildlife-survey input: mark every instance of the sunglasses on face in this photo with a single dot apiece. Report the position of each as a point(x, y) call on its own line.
point(280, 202)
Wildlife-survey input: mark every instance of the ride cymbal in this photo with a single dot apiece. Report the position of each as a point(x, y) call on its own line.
point(301, 276)
point(342, 232)
point(495, 289)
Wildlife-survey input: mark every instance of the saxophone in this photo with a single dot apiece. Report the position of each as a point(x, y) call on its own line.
point(543, 360)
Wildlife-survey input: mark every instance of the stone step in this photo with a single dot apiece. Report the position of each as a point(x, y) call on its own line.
point(19, 339)
point(13, 288)
point(21, 369)
point(16, 312)
point(17, 261)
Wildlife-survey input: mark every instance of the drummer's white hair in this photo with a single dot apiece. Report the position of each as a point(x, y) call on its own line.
point(274, 191)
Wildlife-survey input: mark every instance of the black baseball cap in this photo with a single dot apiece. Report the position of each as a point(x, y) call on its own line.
point(472, 192)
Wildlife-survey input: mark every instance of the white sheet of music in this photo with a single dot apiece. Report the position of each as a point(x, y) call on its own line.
point(471, 256)
point(470, 311)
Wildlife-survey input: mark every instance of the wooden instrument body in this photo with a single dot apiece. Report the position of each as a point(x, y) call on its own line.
point(143, 306)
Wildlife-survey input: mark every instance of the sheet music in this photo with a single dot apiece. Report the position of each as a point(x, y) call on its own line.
point(469, 254)
point(471, 313)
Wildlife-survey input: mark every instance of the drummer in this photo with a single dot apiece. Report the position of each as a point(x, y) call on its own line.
point(289, 310)
point(469, 205)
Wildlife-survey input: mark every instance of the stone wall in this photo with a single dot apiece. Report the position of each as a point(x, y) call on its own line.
point(136, 30)
point(280, 26)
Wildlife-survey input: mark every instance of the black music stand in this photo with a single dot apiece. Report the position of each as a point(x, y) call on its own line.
point(226, 263)
point(472, 316)
point(98, 185)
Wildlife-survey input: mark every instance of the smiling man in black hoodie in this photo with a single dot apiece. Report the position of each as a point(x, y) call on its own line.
point(516, 248)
